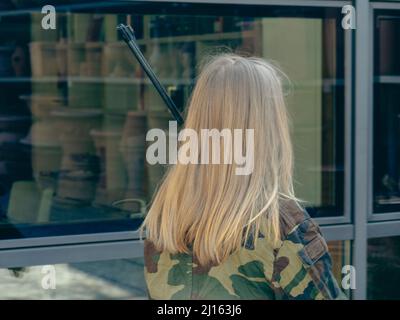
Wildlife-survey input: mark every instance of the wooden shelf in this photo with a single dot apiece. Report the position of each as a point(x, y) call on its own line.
point(127, 80)
point(193, 38)
point(15, 79)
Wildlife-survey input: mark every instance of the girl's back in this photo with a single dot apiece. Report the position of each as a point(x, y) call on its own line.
point(202, 224)
point(299, 269)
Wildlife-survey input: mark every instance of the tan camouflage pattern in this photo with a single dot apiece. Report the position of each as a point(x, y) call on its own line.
point(299, 269)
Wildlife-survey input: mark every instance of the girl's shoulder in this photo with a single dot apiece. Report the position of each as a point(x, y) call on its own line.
point(300, 231)
point(303, 254)
point(291, 216)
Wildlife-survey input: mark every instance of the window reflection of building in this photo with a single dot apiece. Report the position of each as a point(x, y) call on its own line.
point(86, 90)
point(386, 113)
point(384, 253)
point(384, 268)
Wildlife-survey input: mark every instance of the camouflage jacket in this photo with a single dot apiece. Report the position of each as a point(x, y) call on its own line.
point(299, 269)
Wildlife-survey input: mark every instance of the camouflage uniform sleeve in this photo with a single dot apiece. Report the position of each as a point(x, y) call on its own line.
point(303, 268)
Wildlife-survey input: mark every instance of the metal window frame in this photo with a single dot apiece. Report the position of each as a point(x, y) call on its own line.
point(68, 253)
point(367, 224)
point(293, 3)
point(346, 218)
point(383, 229)
point(82, 248)
point(10, 244)
point(361, 164)
point(385, 216)
point(385, 5)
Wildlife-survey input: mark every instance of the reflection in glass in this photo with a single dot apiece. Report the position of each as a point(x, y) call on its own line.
point(386, 112)
point(114, 279)
point(75, 107)
point(383, 268)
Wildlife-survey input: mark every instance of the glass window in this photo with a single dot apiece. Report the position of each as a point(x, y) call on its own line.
point(75, 105)
point(386, 112)
point(383, 268)
point(112, 279)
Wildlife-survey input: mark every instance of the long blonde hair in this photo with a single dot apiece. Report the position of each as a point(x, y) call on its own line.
point(207, 208)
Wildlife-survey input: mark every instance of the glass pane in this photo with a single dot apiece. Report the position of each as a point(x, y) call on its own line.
point(75, 106)
point(384, 268)
point(114, 279)
point(386, 112)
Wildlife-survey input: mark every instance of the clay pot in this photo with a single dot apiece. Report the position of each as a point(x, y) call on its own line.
point(76, 188)
point(133, 150)
point(156, 172)
point(94, 57)
point(79, 165)
point(76, 57)
point(43, 59)
point(62, 58)
point(112, 176)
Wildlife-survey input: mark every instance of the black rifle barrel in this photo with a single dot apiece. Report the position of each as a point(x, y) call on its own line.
point(128, 35)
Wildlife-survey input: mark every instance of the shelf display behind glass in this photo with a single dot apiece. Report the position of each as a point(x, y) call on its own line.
point(75, 106)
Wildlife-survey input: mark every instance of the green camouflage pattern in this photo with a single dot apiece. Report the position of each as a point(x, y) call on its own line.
point(299, 269)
